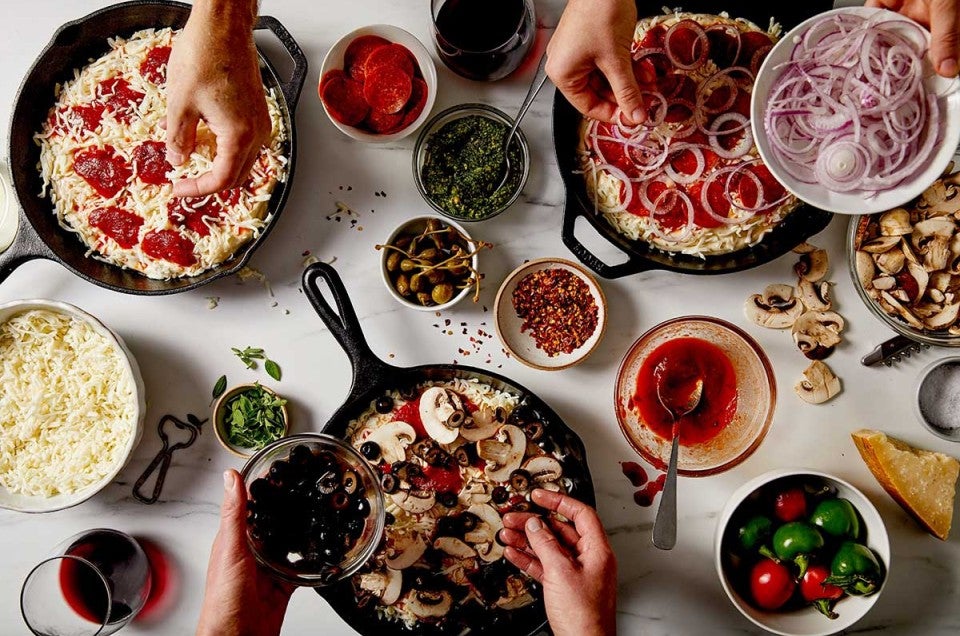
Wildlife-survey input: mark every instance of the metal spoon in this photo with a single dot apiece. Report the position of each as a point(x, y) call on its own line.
point(665, 525)
point(538, 81)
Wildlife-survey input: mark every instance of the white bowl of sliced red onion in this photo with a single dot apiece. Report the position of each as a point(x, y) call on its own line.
point(849, 115)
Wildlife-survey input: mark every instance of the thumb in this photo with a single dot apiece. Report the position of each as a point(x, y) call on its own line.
point(545, 545)
point(181, 133)
point(619, 72)
point(233, 514)
point(945, 37)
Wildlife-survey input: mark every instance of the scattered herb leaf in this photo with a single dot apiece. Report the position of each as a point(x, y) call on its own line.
point(273, 369)
point(249, 356)
point(254, 418)
point(220, 387)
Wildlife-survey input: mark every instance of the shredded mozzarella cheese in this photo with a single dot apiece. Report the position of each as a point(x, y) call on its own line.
point(67, 404)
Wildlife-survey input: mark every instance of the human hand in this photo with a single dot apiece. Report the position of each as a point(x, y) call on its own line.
point(573, 561)
point(942, 17)
point(240, 598)
point(213, 74)
point(589, 59)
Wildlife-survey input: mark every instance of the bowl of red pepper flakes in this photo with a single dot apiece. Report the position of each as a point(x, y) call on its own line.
point(551, 314)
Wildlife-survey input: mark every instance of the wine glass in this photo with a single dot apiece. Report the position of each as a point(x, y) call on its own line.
point(93, 584)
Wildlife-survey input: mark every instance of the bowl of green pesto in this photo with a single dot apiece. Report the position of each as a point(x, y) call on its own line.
point(458, 159)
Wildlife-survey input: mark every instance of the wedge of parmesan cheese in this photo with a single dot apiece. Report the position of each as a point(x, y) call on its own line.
point(68, 404)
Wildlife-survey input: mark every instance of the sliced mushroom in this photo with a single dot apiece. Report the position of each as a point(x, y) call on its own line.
point(414, 501)
point(814, 296)
point(775, 308)
point(442, 413)
point(429, 603)
point(454, 547)
point(393, 439)
point(484, 535)
point(891, 262)
point(944, 318)
point(921, 277)
point(866, 268)
point(490, 552)
point(817, 333)
point(936, 255)
point(482, 424)
point(818, 383)
point(503, 454)
point(897, 308)
point(386, 585)
point(543, 469)
point(405, 551)
point(884, 283)
point(517, 595)
point(475, 492)
point(896, 222)
point(880, 244)
point(813, 265)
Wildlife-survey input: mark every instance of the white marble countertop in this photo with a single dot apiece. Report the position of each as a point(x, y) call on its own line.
point(182, 347)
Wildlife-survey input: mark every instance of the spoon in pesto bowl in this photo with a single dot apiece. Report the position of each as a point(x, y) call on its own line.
point(539, 79)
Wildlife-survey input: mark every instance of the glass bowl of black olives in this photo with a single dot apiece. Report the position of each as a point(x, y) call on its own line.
point(315, 509)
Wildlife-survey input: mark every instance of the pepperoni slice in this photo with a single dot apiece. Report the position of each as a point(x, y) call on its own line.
point(119, 224)
point(387, 89)
point(154, 65)
point(653, 38)
point(121, 100)
point(103, 169)
point(169, 245)
point(700, 215)
point(687, 42)
point(355, 57)
point(344, 100)
point(416, 103)
point(329, 75)
point(684, 161)
point(773, 191)
point(724, 45)
point(651, 65)
point(383, 123)
point(677, 86)
point(673, 211)
point(150, 160)
point(194, 213)
point(750, 43)
point(395, 55)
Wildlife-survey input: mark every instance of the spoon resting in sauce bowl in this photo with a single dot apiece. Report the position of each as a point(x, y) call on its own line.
point(679, 403)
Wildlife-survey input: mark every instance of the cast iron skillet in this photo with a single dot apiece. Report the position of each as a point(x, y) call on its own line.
point(372, 378)
point(801, 224)
point(73, 46)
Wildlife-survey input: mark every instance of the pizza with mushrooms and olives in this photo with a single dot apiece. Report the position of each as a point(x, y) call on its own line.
point(689, 179)
point(103, 163)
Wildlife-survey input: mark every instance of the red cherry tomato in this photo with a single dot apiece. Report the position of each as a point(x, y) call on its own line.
point(813, 588)
point(790, 505)
point(771, 584)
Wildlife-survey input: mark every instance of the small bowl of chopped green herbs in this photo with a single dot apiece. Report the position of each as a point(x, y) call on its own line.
point(249, 417)
point(458, 159)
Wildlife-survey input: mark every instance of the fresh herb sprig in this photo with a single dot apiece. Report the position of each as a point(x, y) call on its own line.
point(249, 357)
point(254, 418)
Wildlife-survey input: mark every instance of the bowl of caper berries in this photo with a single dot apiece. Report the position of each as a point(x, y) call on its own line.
point(431, 264)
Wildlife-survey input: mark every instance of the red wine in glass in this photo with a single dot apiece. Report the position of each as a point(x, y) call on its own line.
point(483, 39)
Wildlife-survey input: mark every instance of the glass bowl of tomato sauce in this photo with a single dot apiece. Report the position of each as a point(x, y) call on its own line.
point(736, 405)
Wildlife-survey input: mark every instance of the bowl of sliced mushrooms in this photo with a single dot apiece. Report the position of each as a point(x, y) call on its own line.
point(431, 264)
point(905, 263)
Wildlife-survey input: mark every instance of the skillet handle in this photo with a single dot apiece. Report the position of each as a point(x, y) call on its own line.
point(292, 87)
point(27, 246)
point(632, 266)
point(343, 322)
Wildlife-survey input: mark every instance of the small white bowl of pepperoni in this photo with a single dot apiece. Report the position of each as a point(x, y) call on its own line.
point(378, 83)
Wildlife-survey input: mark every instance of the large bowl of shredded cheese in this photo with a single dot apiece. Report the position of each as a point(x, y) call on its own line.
point(71, 405)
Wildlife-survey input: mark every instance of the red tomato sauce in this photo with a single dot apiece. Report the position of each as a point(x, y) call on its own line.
point(105, 171)
point(410, 413)
point(154, 66)
point(170, 246)
point(119, 224)
point(677, 365)
point(150, 160)
point(439, 479)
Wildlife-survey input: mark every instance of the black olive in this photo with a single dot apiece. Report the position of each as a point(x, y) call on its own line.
point(327, 483)
point(406, 470)
point(546, 445)
point(389, 483)
point(362, 508)
point(447, 498)
point(499, 495)
point(300, 455)
point(424, 447)
point(339, 500)
point(448, 527)
point(389, 519)
point(520, 480)
point(533, 431)
point(370, 450)
point(465, 455)
point(332, 554)
point(522, 506)
point(499, 414)
point(279, 471)
point(436, 457)
point(409, 393)
point(259, 489)
point(468, 521)
point(499, 540)
point(384, 404)
point(350, 481)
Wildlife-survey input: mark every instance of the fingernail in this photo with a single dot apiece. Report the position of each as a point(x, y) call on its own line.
point(227, 479)
point(534, 524)
point(948, 68)
point(638, 116)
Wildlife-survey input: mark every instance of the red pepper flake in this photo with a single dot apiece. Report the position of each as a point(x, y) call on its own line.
point(557, 308)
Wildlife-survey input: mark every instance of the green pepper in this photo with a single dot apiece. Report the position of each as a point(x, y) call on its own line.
point(855, 569)
point(755, 532)
point(796, 541)
point(838, 518)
